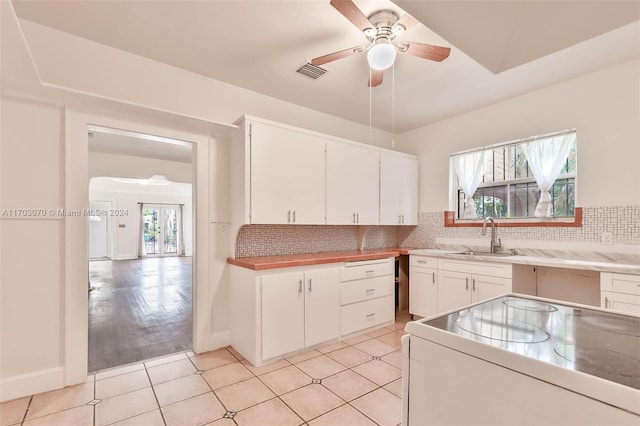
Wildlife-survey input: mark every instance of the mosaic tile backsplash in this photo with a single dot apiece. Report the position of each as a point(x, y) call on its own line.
point(622, 222)
point(267, 240)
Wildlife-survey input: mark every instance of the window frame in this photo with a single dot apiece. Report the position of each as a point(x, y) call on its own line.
point(451, 217)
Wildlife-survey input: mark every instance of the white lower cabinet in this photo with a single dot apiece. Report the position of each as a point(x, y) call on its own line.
point(276, 313)
point(620, 292)
point(423, 286)
point(461, 283)
point(366, 295)
point(298, 310)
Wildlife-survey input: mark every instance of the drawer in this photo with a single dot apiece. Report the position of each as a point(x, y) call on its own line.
point(359, 290)
point(427, 262)
point(620, 283)
point(366, 269)
point(361, 315)
point(491, 269)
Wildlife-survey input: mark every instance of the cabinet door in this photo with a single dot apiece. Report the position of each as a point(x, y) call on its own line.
point(322, 306)
point(282, 314)
point(398, 190)
point(484, 287)
point(454, 290)
point(288, 176)
point(352, 184)
point(423, 291)
point(621, 302)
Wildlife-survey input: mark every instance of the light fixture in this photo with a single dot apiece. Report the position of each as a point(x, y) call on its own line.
point(382, 54)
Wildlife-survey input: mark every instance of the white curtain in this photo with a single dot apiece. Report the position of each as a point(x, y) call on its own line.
point(142, 249)
point(469, 168)
point(546, 157)
point(180, 232)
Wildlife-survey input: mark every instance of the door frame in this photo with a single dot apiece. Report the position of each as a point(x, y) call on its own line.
point(76, 250)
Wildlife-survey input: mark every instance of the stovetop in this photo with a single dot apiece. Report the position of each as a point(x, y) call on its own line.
point(602, 344)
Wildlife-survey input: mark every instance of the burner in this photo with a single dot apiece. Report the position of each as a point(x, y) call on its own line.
point(602, 362)
point(530, 305)
point(509, 331)
point(608, 322)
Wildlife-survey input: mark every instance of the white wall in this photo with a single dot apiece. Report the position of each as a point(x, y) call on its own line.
point(604, 106)
point(126, 197)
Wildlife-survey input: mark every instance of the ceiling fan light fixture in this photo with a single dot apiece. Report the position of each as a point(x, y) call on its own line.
point(381, 55)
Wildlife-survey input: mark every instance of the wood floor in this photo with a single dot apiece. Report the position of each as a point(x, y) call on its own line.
point(138, 309)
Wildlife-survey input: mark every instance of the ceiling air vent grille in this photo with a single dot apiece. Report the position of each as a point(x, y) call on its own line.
point(312, 71)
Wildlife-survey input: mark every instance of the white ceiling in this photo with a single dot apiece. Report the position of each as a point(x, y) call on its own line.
point(259, 45)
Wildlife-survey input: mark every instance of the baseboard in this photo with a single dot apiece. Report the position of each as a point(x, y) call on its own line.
point(31, 383)
point(213, 342)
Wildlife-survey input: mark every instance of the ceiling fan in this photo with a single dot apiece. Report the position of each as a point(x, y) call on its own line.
point(381, 29)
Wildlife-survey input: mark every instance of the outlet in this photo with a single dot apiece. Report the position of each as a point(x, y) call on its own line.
point(606, 238)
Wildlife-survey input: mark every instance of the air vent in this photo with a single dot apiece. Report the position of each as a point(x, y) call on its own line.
point(312, 71)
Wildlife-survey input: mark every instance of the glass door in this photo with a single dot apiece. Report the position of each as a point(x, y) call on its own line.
point(161, 230)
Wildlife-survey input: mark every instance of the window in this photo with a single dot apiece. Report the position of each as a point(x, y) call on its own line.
point(508, 187)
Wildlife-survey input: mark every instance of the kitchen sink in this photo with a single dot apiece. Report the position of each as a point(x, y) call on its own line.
point(487, 253)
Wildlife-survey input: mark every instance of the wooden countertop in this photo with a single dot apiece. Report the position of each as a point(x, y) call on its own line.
point(306, 259)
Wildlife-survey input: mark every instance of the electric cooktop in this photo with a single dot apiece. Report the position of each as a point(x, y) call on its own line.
point(595, 342)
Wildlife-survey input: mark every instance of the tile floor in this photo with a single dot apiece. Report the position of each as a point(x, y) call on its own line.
point(354, 382)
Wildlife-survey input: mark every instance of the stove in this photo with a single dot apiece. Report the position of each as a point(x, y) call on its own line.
point(602, 344)
point(519, 357)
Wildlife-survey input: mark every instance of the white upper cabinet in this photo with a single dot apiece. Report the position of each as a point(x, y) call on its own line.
point(352, 184)
point(288, 176)
point(398, 189)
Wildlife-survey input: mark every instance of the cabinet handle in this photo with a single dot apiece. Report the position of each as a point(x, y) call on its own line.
point(294, 216)
point(473, 281)
point(606, 303)
point(357, 217)
point(289, 216)
point(299, 286)
point(354, 218)
point(399, 219)
point(403, 218)
point(467, 283)
point(433, 277)
point(422, 261)
point(371, 291)
point(309, 285)
point(371, 316)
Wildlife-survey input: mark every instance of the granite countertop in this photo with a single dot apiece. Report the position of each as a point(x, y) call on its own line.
point(307, 259)
point(527, 259)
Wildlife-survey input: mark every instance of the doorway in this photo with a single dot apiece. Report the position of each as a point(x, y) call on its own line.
point(141, 300)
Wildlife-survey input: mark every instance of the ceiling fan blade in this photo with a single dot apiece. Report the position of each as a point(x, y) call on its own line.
point(375, 79)
point(407, 21)
point(427, 51)
point(350, 11)
point(321, 60)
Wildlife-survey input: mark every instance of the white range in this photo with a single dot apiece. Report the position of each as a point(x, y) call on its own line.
point(522, 360)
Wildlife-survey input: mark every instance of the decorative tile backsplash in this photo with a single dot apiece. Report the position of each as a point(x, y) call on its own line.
point(270, 240)
point(267, 240)
point(622, 222)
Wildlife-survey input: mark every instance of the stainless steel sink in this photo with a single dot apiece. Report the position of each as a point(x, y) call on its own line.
point(486, 253)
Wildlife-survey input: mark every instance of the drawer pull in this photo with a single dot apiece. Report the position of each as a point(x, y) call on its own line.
point(370, 271)
point(422, 261)
point(371, 316)
point(371, 290)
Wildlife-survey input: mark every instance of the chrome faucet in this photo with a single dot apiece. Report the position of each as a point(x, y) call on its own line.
point(494, 246)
